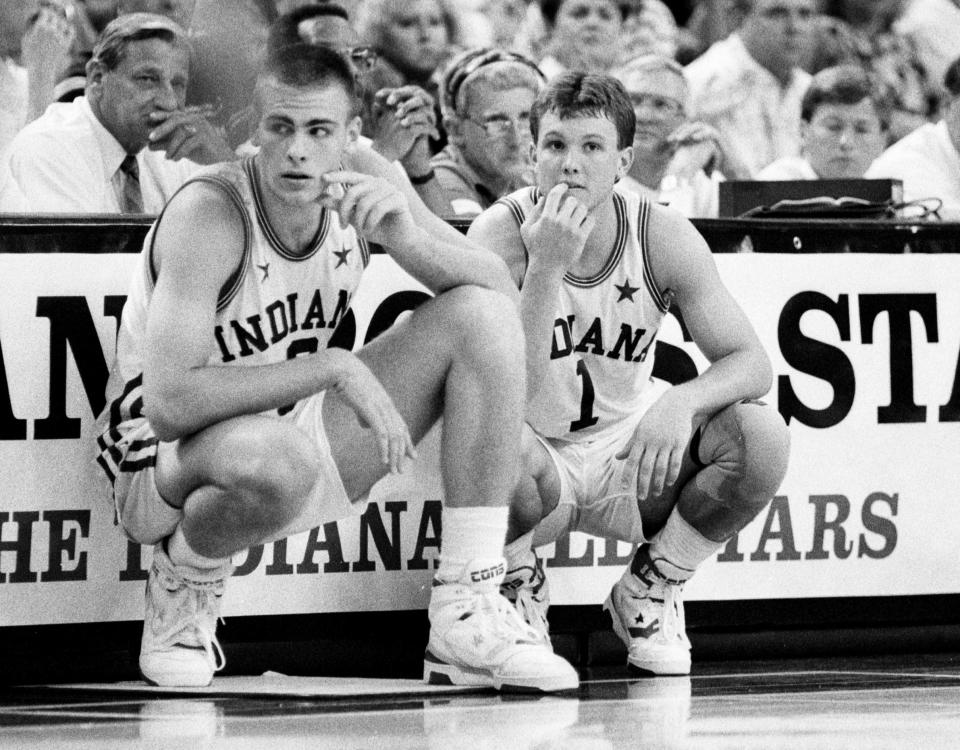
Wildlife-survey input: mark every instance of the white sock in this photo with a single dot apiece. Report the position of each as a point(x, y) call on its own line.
point(468, 534)
point(682, 545)
point(181, 553)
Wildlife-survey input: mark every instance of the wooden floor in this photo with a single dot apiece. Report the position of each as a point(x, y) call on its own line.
point(910, 702)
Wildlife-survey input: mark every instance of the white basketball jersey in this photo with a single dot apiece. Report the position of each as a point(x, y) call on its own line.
point(604, 332)
point(275, 306)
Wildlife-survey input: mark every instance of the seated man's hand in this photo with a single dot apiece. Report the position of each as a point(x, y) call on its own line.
point(188, 134)
point(399, 117)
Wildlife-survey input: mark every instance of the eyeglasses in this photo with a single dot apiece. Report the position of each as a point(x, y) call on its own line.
point(364, 58)
point(661, 105)
point(497, 126)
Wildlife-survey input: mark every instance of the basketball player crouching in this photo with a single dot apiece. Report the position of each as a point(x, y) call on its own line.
point(224, 429)
point(677, 471)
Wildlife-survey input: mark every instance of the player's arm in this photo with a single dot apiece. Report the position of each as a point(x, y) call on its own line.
point(739, 367)
point(553, 236)
point(198, 246)
point(435, 253)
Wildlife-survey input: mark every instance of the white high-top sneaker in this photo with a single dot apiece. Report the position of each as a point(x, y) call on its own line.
point(478, 638)
point(179, 647)
point(647, 613)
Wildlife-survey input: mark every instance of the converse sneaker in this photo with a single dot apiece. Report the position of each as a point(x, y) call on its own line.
point(527, 588)
point(647, 613)
point(179, 646)
point(477, 638)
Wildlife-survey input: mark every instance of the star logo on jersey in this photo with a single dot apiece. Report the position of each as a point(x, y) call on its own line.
point(266, 271)
point(342, 256)
point(626, 291)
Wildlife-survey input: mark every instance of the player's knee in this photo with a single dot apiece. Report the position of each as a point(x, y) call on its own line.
point(271, 472)
point(752, 447)
point(764, 450)
point(487, 327)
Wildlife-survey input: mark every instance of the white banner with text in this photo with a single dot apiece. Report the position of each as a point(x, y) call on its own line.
point(865, 355)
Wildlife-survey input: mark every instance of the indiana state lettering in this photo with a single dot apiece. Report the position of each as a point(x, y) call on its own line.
point(626, 340)
point(276, 321)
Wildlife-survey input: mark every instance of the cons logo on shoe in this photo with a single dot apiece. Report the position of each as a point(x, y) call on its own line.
point(485, 574)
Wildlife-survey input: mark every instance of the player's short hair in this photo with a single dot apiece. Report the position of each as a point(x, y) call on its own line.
point(498, 69)
point(111, 46)
point(842, 84)
point(586, 95)
point(306, 66)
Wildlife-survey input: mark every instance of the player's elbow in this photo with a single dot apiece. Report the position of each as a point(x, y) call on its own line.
point(168, 414)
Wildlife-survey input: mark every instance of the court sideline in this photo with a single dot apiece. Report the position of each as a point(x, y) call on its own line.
point(896, 701)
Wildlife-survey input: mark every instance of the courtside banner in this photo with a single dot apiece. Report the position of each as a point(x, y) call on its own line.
point(865, 355)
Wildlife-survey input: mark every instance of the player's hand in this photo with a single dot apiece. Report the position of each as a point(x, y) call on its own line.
point(374, 206)
point(655, 451)
point(399, 117)
point(188, 134)
point(557, 228)
point(375, 410)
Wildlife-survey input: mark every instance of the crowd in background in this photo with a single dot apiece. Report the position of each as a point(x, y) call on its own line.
point(722, 89)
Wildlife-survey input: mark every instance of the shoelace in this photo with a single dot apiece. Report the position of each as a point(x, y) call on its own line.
point(507, 621)
point(531, 612)
point(195, 624)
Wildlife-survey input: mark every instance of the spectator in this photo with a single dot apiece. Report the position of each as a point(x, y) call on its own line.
point(749, 85)
point(91, 155)
point(676, 162)
point(708, 22)
point(72, 83)
point(933, 26)
point(843, 129)
point(415, 39)
point(582, 35)
point(928, 160)
point(35, 43)
point(487, 95)
point(649, 29)
point(871, 34)
point(504, 21)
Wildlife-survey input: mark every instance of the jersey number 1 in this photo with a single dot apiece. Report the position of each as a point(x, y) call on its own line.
point(587, 419)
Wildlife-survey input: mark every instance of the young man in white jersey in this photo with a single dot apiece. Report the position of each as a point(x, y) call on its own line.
point(229, 423)
point(677, 471)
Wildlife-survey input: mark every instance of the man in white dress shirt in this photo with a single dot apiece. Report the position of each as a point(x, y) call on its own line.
point(749, 85)
point(128, 144)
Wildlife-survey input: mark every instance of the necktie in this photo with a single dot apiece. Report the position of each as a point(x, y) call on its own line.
point(132, 198)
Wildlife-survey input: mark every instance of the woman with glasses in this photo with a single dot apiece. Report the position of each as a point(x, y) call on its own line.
point(486, 97)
